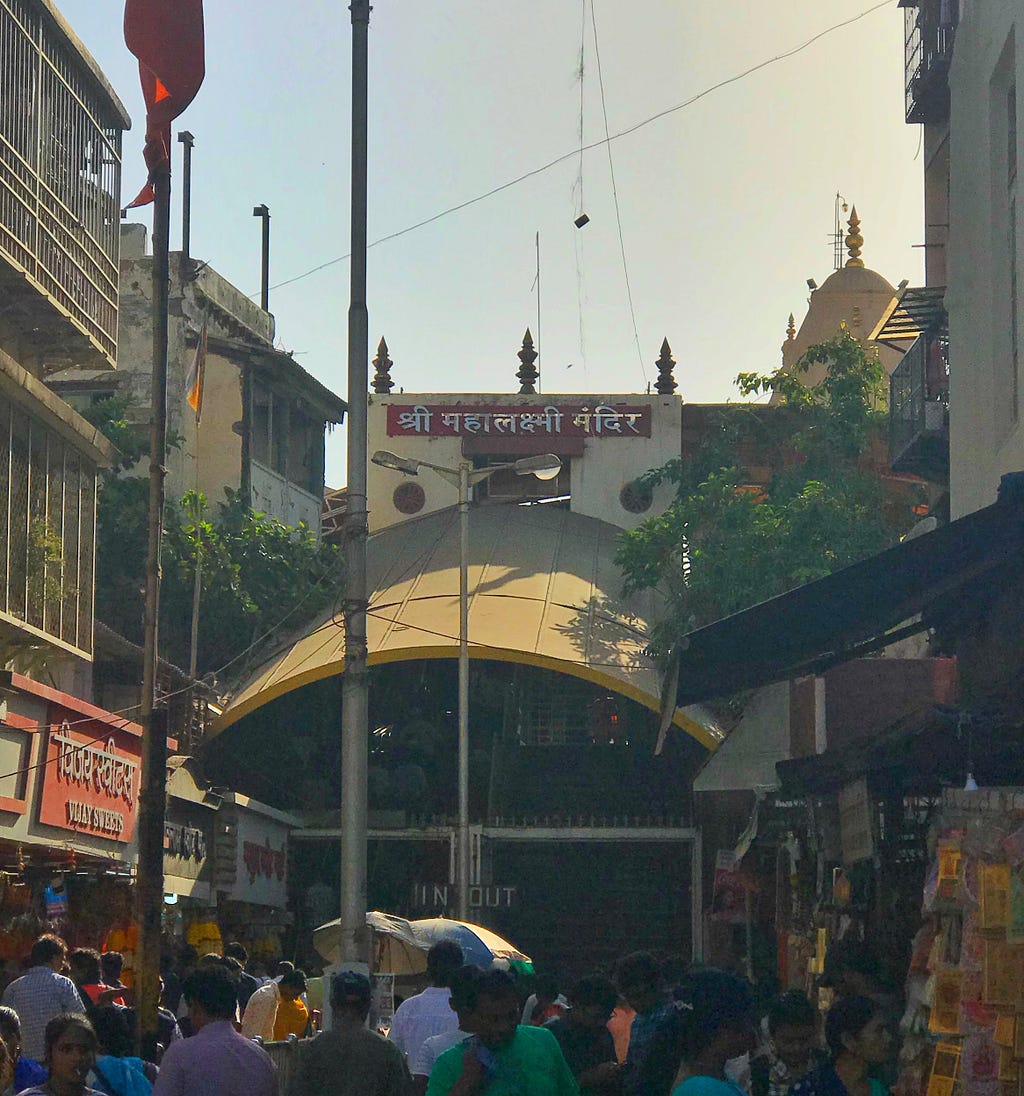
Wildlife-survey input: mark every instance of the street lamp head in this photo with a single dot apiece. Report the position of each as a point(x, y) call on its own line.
point(399, 464)
point(546, 466)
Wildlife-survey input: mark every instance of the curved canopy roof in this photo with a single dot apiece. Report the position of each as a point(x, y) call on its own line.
point(544, 591)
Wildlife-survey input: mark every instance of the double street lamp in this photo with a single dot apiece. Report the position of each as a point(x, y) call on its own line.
point(544, 467)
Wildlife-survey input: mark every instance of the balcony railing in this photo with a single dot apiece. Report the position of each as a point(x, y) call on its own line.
point(930, 34)
point(60, 178)
point(919, 410)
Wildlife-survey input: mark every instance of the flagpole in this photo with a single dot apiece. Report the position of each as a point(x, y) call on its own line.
point(150, 879)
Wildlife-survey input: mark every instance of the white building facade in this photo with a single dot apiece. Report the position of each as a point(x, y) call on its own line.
point(985, 249)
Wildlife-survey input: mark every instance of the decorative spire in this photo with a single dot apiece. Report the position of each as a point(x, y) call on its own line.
point(854, 240)
point(791, 328)
point(527, 373)
point(382, 382)
point(666, 382)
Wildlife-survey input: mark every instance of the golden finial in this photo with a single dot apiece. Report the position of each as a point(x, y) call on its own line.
point(791, 328)
point(854, 240)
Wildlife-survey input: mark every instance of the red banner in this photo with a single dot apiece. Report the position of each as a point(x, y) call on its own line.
point(91, 777)
point(596, 420)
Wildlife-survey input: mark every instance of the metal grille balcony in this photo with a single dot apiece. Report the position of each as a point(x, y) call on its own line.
point(919, 410)
point(930, 33)
point(47, 531)
point(60, 185)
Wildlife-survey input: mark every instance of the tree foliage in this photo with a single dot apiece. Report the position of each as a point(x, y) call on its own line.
point(774, 496)
point(256, 573)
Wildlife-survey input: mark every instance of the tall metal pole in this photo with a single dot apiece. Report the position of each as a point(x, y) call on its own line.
point(264, 212)
point(188, 141)
point(462, 860)
point(150, 882)
point(354, 713)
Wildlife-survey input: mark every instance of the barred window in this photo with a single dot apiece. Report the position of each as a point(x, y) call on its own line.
point(47, 529)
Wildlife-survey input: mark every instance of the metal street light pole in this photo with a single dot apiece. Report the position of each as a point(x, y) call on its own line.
point(354, 709)
point(544, 467)
point(462, 861)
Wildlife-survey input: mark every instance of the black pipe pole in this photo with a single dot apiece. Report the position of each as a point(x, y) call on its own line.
point(150, 879)
point(188, 141)
point(263, 212)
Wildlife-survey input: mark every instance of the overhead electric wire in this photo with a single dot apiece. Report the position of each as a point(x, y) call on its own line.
point(595, 144)
point(615, 195)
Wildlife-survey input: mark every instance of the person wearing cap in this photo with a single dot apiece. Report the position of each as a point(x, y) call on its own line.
point(349, 1060)
point(261, 1012)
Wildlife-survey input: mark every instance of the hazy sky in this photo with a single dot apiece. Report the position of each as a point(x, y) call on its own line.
point(726, 205)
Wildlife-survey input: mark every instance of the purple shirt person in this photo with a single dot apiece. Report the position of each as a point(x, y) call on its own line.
point(216, 1061)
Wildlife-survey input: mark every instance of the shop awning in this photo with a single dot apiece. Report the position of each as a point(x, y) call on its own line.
point(544, 591)
point(828, 621)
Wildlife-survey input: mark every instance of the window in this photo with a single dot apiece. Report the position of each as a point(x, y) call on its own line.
point(47, 529)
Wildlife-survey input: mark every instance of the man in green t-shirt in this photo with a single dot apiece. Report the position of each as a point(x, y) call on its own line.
point(503, 1058)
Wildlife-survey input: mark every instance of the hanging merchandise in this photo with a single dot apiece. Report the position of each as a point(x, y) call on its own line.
point(56, 898)
point(963, 1029)
point(204, 936)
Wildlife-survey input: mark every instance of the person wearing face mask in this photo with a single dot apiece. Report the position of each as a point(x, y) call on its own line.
point(859, 1040)
point(716, 1028)
point(69, 1053)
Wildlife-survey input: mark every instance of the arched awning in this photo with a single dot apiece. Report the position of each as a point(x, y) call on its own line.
point(544, 591)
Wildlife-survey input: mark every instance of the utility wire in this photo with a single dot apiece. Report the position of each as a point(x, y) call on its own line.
point(615, 195)
point(595, 144)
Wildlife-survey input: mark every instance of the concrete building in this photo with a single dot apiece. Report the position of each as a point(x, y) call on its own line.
point(263, 416)
point(984, 262)
point(60, 177)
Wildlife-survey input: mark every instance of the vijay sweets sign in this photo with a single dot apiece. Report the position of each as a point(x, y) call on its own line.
point(552, 421)
point(91, 777)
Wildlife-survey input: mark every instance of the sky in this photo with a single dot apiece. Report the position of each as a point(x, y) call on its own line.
point(726, 206)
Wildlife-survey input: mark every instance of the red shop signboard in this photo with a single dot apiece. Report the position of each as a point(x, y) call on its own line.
point(91, 777)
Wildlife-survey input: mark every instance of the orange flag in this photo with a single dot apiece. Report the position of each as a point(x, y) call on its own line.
point(167, 38)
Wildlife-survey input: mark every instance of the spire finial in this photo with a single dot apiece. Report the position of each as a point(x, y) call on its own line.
point(526, 373)
point(854, 240)
point(666, 382)
point(791, 328)
point(382, 382)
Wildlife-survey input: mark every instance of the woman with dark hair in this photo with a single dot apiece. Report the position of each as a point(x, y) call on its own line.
point(117, 1072)
point(69, 1052)
point(858, 1041)
point(716, 1026)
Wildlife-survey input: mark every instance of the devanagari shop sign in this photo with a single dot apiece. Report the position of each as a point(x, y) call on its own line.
point(598, 420)
point(91, 783)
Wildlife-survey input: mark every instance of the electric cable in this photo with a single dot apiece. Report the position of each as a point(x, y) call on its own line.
point(615, 196)
point(595, 144)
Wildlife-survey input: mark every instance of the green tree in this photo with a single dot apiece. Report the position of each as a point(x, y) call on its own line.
point(256, 573)
point(732, 537)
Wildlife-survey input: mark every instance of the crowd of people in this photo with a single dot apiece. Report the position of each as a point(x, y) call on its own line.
point(67, 1028)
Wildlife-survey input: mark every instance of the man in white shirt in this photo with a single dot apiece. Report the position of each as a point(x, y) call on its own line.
point(462, 1002)
point(428, 1013)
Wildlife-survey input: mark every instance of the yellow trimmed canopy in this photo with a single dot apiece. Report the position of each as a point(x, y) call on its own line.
point(544, 591)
